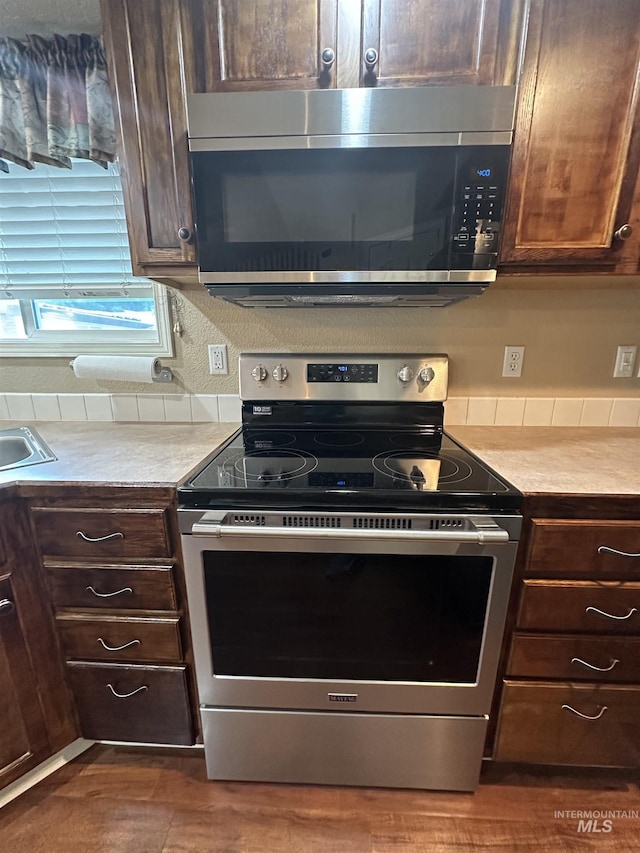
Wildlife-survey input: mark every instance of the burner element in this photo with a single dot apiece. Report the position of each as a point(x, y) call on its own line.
point(419, 469)
point(338, 439)
point(265, 467)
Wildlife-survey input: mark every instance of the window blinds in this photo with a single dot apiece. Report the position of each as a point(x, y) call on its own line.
point(63, 234)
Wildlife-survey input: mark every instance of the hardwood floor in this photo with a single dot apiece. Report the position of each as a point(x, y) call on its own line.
point(127, 800)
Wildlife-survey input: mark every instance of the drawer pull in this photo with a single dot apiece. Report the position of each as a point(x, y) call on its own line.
point(614, 661)
point(585, 716)
point(6, 605)
point(604, 549)
point(126, 695)
point(116, 535)
point(109, 594)
point(120, 648)
point(632, 610)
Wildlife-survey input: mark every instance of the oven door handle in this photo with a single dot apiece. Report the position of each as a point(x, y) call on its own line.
point(484, 531)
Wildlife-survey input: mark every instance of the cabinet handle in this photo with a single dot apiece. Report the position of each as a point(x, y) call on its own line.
point(370, 58)
point(185, 235)
point(585, 716)
point(6, 606)
point(86, 538)
point(604, 549)
point(126, 695)
point(623, 233)
point(328, 57)
point(117, 648)
point(632, 610)
point(109, 594)
point(614, 661)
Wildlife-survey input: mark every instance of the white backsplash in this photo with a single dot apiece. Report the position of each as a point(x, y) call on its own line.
point(225, 408)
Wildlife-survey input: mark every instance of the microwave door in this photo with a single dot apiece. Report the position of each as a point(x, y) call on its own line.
point(324, 210)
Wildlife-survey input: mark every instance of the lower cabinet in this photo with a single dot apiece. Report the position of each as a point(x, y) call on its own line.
point(23, 731)
point(116, 588)
point(571, 694)
point(147, 704)
point(581, 724)
point(36, 711)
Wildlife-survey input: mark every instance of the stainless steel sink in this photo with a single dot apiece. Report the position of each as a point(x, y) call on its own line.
point(22, 446)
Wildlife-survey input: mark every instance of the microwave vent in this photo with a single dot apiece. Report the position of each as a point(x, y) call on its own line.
point(287, 259)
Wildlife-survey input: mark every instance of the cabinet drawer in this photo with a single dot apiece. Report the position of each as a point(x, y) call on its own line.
point(117, 638)
point(581, 607)
point(115, 587)
point(584, 548)
point(577, 658)
point(534, 726)
point(151, 705)
point(101, 532)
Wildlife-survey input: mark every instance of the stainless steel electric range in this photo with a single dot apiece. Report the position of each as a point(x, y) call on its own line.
point(348, 568)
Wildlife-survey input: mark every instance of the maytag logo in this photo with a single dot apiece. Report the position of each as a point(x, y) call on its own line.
point(262, 410)
point(342, 697)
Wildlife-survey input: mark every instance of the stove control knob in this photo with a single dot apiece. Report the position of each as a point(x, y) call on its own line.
point(259, 373)
point(405, 374)
point(426, 375)
point(280, 373)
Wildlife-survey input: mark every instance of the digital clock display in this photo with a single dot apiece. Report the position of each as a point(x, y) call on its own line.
point(483, 173)
point(342, 372)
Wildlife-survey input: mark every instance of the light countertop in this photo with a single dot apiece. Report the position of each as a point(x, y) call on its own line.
point(118, 453)
point(560, 460)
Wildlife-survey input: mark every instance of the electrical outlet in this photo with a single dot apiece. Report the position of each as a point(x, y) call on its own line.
point(625, 359)
point(218, 358)
point(512, 364)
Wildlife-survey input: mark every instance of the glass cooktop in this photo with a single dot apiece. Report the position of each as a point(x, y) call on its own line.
point(346, 468)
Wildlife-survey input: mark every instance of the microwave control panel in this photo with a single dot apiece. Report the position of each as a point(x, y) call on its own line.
point(478, 210)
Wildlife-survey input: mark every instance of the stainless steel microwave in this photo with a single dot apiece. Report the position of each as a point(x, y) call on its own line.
point(357, 196)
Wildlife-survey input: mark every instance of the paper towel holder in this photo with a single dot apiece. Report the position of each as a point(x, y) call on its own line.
point(163, 374)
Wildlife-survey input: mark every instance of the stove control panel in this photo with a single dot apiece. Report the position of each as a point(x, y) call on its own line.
point(346, 377)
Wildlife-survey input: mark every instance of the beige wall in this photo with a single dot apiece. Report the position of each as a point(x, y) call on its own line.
point(570, 331)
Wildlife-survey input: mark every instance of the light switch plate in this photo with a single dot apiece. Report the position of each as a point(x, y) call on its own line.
point(625, 361)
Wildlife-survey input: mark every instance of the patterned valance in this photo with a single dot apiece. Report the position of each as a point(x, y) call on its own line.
point(55, 101)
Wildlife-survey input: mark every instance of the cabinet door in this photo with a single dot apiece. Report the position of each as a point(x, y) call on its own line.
point(148, 71)
point(262, 44)
point(577, 138)
point(432, 41)
point(23, 735)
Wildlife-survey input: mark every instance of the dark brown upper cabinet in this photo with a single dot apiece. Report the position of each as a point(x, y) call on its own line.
point(150, 61)
point(253, 45)
point(308, 44)
point(576, 152)
point(419, 42)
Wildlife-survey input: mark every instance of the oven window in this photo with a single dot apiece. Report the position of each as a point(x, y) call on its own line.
point(347, 616)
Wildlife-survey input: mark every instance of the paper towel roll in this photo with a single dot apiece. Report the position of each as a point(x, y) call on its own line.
point(135, 368)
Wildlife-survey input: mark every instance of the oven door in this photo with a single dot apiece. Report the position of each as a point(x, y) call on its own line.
point(376, 620)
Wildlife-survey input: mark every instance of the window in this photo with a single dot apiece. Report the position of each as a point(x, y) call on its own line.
point(66, 285)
